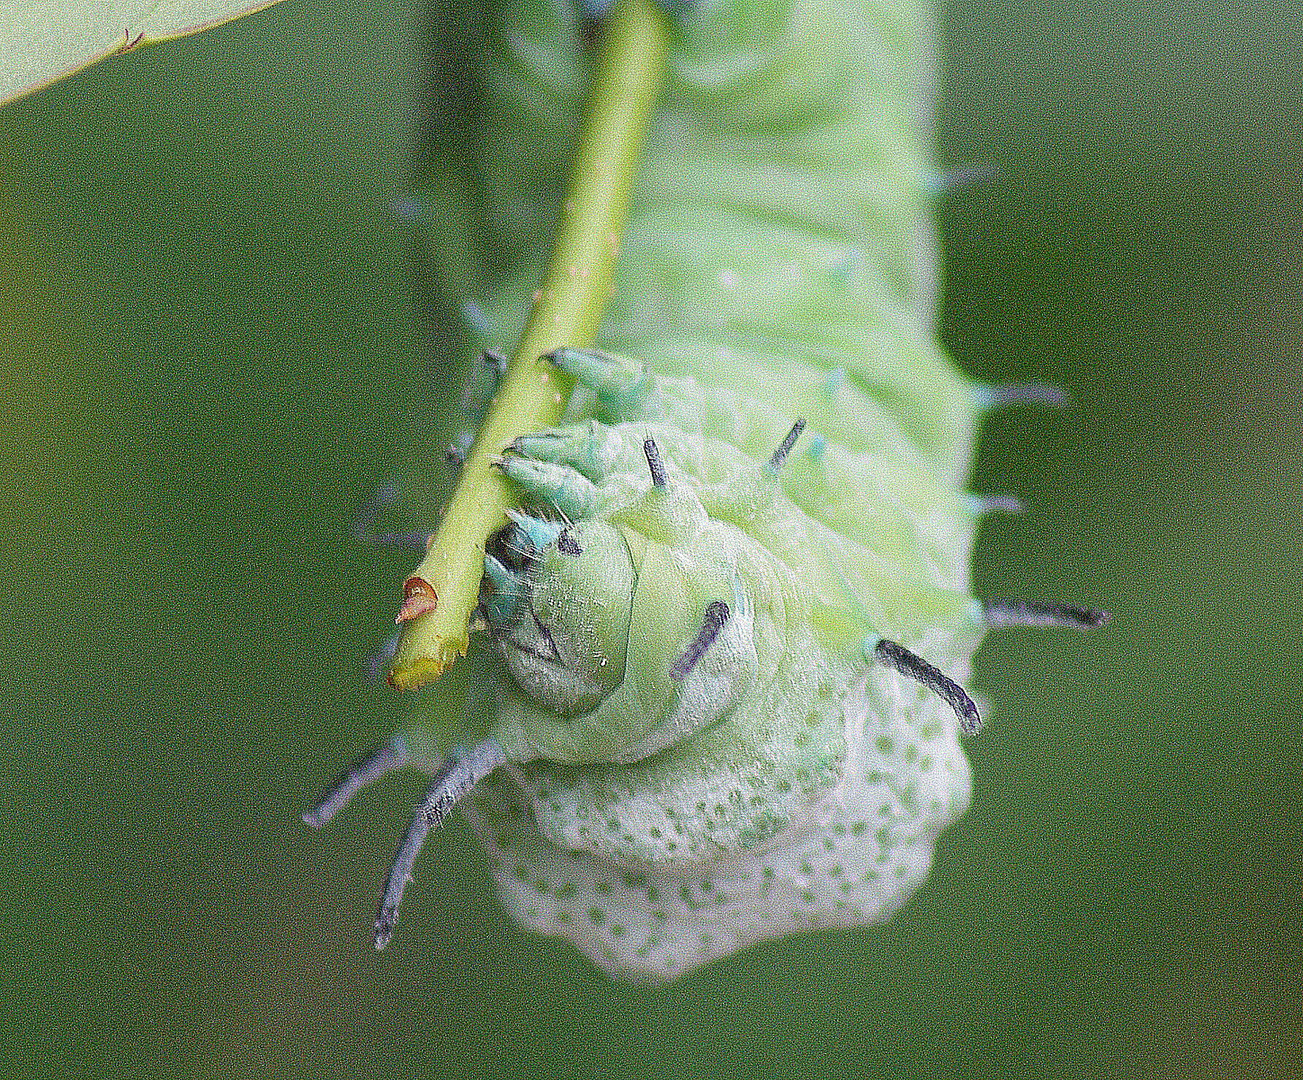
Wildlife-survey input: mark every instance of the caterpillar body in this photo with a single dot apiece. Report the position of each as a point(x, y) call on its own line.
point(699, 716)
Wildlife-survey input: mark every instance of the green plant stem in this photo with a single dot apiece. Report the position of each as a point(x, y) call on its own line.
point(442, 592)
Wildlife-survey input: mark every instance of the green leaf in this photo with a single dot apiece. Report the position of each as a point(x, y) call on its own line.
point(45, 40)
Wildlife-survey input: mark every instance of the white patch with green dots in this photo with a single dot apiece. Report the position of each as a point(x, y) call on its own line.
point(856, 855)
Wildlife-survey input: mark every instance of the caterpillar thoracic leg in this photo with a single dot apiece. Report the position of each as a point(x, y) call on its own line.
point(654, 463)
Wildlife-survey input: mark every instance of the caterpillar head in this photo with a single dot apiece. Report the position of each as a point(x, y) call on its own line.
point(563, 624)
point(623, 635)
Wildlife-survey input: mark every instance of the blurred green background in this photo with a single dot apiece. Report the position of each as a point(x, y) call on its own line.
point(210, 358)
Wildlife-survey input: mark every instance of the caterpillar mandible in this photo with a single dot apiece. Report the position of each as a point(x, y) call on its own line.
point(718, 688)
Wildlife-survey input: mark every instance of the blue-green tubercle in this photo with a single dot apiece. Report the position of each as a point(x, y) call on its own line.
point(702, 748)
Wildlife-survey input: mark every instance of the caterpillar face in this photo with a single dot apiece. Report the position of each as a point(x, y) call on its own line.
point(603, 640)
point(704, 715)
point(563, 624)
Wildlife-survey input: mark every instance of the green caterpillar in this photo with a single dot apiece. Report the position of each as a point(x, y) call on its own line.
point(699, 715)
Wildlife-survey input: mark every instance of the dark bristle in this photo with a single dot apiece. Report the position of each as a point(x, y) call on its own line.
point(915, 667)
point(1024, 394)
point(717, 614)
point(391, 756)
point(1000, 613)
point(451, 785)
point(777, 458)
point(655, 464)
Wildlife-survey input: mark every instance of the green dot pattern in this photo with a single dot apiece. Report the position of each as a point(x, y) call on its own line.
point(853, 858)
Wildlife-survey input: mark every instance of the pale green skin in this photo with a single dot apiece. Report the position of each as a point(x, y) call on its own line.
point(777, 264)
